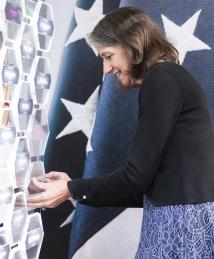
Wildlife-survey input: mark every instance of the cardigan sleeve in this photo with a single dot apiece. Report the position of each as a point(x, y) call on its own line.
point(160, 103)
point(119, 200)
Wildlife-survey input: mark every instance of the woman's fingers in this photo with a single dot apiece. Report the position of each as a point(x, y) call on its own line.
point(54, 175)
point(54, 193)
point(36, 186)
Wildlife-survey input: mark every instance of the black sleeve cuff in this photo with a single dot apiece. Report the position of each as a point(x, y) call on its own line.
point(75, 191)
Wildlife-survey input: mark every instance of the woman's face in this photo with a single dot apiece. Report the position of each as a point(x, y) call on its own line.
point(116, 61)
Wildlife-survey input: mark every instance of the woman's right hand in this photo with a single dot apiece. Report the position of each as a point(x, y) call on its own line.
point(51, 193)
point(54, 175)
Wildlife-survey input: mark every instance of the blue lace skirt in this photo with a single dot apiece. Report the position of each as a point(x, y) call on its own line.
point(178, 232)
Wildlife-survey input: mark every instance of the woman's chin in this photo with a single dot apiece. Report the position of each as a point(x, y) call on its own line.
point(124, 81)
point(125, 85)
point(128, 83)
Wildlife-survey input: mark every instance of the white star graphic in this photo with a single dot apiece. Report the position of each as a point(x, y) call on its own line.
point(69, 219)
point(183, 36)
point(86, 21)
point(89, 146)
point(82, 116)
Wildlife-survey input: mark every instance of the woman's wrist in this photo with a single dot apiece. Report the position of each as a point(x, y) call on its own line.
point(70, 195)
point(73, 196)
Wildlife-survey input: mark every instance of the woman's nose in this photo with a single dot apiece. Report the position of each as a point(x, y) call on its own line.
point(107, 67)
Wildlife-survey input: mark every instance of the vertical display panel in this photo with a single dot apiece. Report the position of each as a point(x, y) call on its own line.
point(26, 31)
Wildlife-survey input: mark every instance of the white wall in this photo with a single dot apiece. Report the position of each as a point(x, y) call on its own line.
point(63, 11)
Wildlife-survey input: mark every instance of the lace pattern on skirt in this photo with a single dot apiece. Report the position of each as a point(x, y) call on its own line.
point(178, 231)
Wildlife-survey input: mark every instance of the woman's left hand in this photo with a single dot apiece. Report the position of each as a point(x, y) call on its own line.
point(55, 191)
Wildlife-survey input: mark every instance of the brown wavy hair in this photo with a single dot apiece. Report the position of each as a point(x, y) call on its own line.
point(135, 31)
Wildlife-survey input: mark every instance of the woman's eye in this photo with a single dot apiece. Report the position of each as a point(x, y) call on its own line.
point(108, 57)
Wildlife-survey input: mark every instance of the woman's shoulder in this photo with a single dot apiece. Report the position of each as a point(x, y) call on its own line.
point(166, 66)
point(163, 70)
point(169, 69)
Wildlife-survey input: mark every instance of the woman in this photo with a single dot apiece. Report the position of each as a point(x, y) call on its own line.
point(171, 161)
